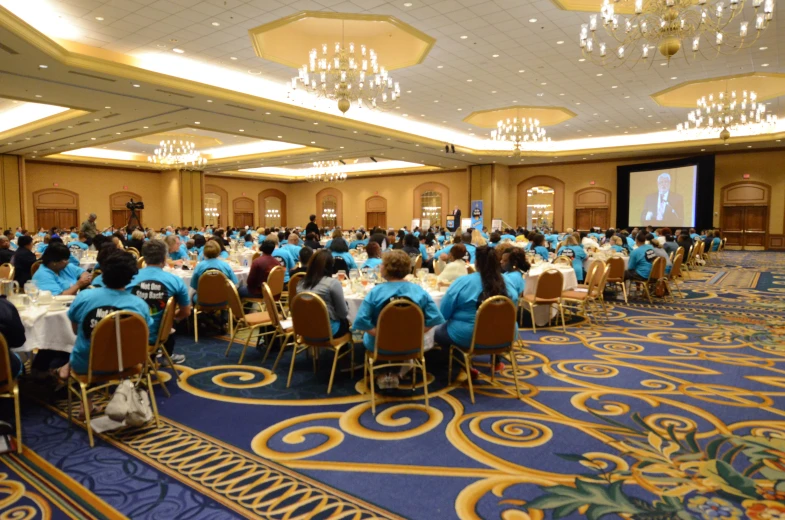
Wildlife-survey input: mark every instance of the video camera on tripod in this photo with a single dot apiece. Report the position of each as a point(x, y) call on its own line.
point(134, 205)
point(133, 218)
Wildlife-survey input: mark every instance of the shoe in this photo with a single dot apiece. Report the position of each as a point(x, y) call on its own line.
point(500, 366)
point(475, 374)
point(177, 359)
point(387, 381)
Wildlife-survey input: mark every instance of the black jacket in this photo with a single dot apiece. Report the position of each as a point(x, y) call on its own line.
point(312, 228)
point(5, 256)
point(23, 260)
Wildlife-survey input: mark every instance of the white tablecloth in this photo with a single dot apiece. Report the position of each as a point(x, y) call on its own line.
point(590, 260)
point(46, 329)
point(87, 263)
point(541, 314)
point(353, 301)
point(187, 275)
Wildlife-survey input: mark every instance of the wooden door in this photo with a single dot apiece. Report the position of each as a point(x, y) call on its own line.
point(243, 219)
point(733, 226)
point(583, 219)
point(59, 218)
point(120, 217)
point(755, 219)
point(376, 219)
point(67, 218)
point(601, 218)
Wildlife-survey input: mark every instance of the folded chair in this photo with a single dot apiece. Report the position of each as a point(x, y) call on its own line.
point(399, 342)
point(118, 350)
point(494, 334)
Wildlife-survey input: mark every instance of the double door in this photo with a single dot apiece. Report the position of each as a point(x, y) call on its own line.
point(588, 218)
point(120, 218)
point(59, 218)
point(376, 219)
point(243, 219)
point(745, 227)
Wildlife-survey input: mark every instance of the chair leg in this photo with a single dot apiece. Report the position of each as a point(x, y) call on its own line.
point(351, 356)
point(332, 372)
point(231, 342)
point(676, 285)
point(70, 414)
point(171, 365)
point(424, 380)
point(373, 390)
point(515, 371)
point(151, 366)
point(245, 345)
point(86, 406)
point(563, 324)
point(624, 290)
point(196, 326)
point(291, 366)
point(468, 365)
point(270, 346)
point(18, 417)
point(152, 402)
point(449, 367)
point(586, 313)
point(531, 311)
point(493, 367)
point(648, 294)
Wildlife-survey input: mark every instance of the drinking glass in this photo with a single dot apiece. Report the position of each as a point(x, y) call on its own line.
point(354, 274)
point(31, 290)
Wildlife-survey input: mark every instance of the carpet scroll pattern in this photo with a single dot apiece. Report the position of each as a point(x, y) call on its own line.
point(668, 411)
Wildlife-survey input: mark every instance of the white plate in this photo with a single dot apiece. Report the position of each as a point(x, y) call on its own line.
point(65, 298)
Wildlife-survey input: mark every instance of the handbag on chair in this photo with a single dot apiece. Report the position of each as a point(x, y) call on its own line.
point(129, 403)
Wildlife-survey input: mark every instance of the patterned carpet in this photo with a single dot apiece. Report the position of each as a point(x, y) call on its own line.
point(672, 410)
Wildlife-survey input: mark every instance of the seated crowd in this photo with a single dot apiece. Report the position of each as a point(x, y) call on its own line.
point(131, 271)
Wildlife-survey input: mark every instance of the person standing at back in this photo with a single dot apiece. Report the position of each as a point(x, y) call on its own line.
point(23, 260)
point(89, 228)
point(311, 227)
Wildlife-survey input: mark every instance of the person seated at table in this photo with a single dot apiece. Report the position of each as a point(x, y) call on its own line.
point(660, 251)
point(670, 246)
point(212, 251)
point(107, 249)
point(89, 307)
point(477, 239)
point(463, 298)
point(221, 249)
point(13, 330)
point(337, 233)
point(374, 251)
point(23, 260)
point(641, 259)
point(80, 243)
point(41, 246)
point(538, 245)
point(155, 286)
point(514, 265)
point(359, 240)
point(57, 274)
point(137, 239)
point(452, 265)
point(260, 270)
point(312, 241)
point(494, 239)
point(616, 244)
point(393, 242)
point(339, 248)
point(248, 241)
point(176, 250)
point(198, 247)
point(292, 246)
point(286, 257)
point(318, 280)
point(576, 253)
point(715, 241)
point(6, 254)
point(411, 246)
point(396, 265)
point(302, 266)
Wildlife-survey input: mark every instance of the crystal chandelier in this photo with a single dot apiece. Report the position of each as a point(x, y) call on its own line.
point(326, 171)
point(272, 213)
point(347, 77)
point(329, 214)
point(728, 111)
point(181, 155)
point(670, 25)
point(519, 131)
point(211, 212)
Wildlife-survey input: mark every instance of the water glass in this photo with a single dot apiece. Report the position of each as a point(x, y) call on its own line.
point(31, 290)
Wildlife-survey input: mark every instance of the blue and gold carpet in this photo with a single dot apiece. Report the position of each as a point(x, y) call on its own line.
point(672, 410)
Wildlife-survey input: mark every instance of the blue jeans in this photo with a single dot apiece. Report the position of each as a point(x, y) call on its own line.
point(441, 337)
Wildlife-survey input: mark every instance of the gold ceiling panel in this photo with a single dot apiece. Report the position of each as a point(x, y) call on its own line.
point(289, 40)
point(767, 85)
point(547, 115)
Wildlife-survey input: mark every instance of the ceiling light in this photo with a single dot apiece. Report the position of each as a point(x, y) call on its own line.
point(468, 81)
point(135, 85)
point(532, 20)
point(233, 58)
point(440, 66)
point(405, 115)
point(581, 59)
point(726, 112)
point(99, 18)
point(209, 100)
point(599, 74)
point(407, 4)
point(670, 26)
point(493, 92)
point(316, 123)
point(763, 48)
point(216, 24)
point(182, 155)
point(241, 130)
point(197, 123)
point(313, 142)
point(543, 83)
point(178, 51)
point(764, 65)
point(614, 86)
point(495, 56)
point(43, 66)
point(663, 64)
point(39, 96)
point(464, 37)
point(559, 42)
point(703, 149)
point(460, 109)
point(673, 77)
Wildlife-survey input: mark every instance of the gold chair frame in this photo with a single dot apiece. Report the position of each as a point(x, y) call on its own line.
point(210, 304)
point(553, 299)
point(10, 389)
point(616, 275)
point(164, 331)
point(7, 271)
point(247, 322)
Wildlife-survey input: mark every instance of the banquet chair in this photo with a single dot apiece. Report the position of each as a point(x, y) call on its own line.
point(118, 350)
point(417, 264)
point(249, 323)
point(133, 251)
point(10, 388)
point(548, 292)
point(211, 296)
point(312, 330)
point(494, 334)
point(292, 289)
point(255, 256)
point(616, 274)
point(564, 260)
point(164, 331)
point(675, 275)
point(140, 263)
point(438, 267)
point(7, 271)
point(585, 296)
point(34, 267)
point(283, 327)
point(275, 281)
point(594, 267)
point(656, 275)
point(399, 342)
point(699, 250)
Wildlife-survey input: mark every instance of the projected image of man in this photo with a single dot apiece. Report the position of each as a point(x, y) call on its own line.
point(663, 206)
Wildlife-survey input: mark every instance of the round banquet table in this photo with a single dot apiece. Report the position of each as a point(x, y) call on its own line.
point(87, 263)
point(45, 329)
point(591, 259)
point(541, 314)
point(353, 301)
point(187, 275)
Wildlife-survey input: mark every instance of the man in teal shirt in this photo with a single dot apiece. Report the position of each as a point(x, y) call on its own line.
point(641, 259)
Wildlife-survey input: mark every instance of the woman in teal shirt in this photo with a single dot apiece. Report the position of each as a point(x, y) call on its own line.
point(340, 248)
point(211, 251)
point(57, 274)
point(463, 298)
point(374, 251)
point(537, 245)
point(716, 241)
point(572, 250)
point(514, 265)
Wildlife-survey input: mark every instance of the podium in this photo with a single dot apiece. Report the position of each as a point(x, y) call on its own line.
point(450, 224)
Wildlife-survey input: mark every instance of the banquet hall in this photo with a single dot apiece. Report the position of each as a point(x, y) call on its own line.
point(213, 212)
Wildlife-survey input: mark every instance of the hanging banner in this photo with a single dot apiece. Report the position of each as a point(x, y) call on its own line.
point(476, 221)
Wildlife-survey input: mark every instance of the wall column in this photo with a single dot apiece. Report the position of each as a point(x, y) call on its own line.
point(481, 188)
point(183, 198)
point(11, 184)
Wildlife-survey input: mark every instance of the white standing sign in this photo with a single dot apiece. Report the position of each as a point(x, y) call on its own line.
point(415, 224)
point(466, 223)
point(496, 224)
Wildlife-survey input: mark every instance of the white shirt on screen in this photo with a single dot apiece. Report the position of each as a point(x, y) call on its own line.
point(661, 203)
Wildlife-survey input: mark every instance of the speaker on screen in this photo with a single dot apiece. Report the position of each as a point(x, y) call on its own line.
point(674, 194)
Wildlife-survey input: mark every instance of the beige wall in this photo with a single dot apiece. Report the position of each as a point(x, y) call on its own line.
point(250, 188)
point(94, 185)
point(11, 172)
point(398, 190)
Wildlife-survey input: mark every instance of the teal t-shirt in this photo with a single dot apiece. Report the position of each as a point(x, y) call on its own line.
point(577, 254)
point(641, 260)
point(368, 315)
point(180, 254)
point(515, 280)
point(372, 263)
point(155, 286)
point(48, 280)
point(87, 310)
point(212, 263)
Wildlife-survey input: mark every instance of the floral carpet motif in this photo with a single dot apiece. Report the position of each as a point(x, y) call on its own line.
point(672, 410)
